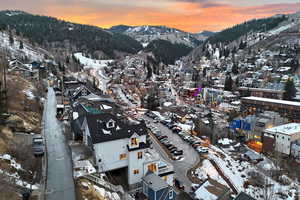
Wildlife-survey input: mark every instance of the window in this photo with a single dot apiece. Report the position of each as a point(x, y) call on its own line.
point(152, 167)
point(110, 124)
point(136, 171)
point(171, 194)
point(140, 155)
point(134, 141)
point(123, 156)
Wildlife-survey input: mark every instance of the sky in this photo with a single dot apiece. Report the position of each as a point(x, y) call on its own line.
point(188, 15)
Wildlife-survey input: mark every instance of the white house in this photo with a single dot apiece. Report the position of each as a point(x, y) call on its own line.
point(119, 145)
point(281, 138)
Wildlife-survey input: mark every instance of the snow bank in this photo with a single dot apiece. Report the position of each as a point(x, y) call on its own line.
point(88, 62)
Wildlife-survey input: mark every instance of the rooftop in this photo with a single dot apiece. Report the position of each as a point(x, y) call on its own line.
point(287, 129)
point(291, 103)
point(155, 182)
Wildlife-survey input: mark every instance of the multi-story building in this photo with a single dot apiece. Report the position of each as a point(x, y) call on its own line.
point(119, 145)
point(261, 92)
point(288, 109)
point(281, 138)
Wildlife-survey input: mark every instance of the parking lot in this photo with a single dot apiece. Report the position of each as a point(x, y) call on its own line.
point(189, 158)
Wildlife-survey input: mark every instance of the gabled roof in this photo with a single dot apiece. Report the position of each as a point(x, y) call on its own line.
point(101, 133)
point(80, 89)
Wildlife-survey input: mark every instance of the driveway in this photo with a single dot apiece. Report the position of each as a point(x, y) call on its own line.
point(191, 157)
point(60, 183)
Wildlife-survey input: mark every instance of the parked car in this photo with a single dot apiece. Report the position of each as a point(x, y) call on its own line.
point(155, 121)
point(171, 147)
point(202, 150)
point(168, 145)
point(38, 146)
point(177, 157)
point(178, 153)
point(173, 150)
point(162, 137)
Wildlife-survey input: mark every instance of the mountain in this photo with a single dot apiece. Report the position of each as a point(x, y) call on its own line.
point(247, 35)
point(166, 51)
point(207, 33)
point(146, 34)
point(203, 35)
point(57, 34)
point(119, 28)
point(256, 25)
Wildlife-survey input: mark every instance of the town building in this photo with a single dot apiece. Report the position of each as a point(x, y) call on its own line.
point(154, 188)
point(261, 92)
point(281, 138)
point(288, 109)
point(117, 144)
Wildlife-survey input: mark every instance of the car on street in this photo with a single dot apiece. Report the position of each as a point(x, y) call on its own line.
point(38, 146)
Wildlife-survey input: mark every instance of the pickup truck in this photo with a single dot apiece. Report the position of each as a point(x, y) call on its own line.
point(38, 146)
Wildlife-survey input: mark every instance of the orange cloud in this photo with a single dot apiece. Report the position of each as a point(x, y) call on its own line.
point(188, 15)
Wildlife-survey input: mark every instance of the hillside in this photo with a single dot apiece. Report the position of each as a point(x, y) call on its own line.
point(256, 25)
point(247, 35)
point(167, 52)
point(53, 33)
point(146, 34)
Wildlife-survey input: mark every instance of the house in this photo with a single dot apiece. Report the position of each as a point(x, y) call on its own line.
point(116, 144)
point(154, 188)
point(281, 138)
point(212, 190)
point(80, 92)
point(16, 67)
point(243, 196)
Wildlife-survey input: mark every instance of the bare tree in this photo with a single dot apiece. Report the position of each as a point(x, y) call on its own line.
point(268, 190)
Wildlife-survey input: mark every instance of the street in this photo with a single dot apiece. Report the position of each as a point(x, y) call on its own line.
point(191, 157)
point(59, 183)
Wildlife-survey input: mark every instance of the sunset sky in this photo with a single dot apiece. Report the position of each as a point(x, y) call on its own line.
point(188, 15)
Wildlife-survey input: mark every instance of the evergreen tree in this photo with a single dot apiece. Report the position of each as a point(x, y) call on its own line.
point(21, 45)
point(11, 38)
point(289, 90)
point(204, 72)
point(67, 60)
point(234, 69)
point(228, 83)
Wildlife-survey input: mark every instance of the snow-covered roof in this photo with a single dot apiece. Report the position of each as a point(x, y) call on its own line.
point(291, 103)
point(287, 129)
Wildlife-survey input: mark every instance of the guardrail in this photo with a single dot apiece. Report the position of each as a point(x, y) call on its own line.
point(105, 184)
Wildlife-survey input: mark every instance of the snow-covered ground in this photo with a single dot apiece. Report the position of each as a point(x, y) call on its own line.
point(92, 63)
point(238, 173)
point(31, 53)
point(280, 29)
point(208, 170)
point(13, 163)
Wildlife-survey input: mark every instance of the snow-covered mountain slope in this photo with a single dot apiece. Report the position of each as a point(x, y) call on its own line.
point(146, 34)
point(27, 52)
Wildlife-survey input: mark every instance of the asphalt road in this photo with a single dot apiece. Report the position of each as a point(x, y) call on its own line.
point(60, 183)
point(191, 157)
